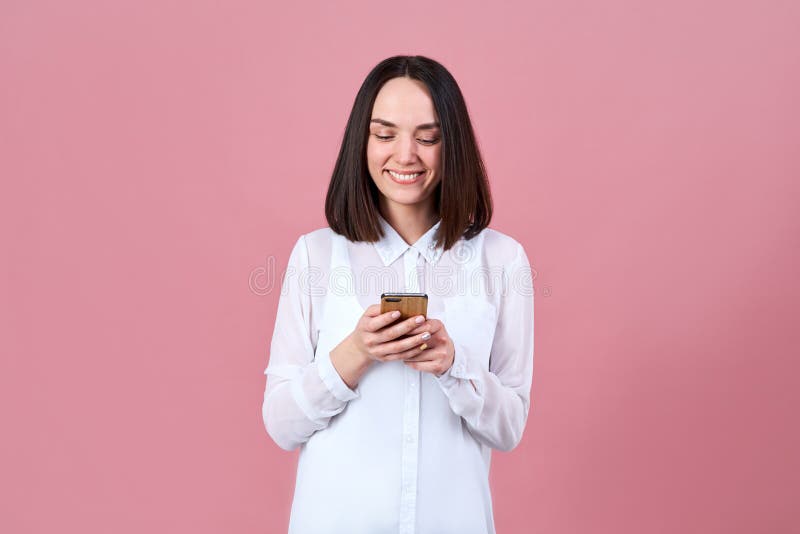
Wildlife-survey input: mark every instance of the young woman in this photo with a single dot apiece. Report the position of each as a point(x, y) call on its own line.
point(395, 420)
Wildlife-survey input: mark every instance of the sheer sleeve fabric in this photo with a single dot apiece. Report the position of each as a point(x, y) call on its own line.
point(301, 394)
point(495, 402)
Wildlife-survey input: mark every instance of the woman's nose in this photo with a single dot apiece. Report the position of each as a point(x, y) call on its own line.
point(406, 150)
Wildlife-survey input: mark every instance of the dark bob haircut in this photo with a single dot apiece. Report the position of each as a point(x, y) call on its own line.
point(462, 197)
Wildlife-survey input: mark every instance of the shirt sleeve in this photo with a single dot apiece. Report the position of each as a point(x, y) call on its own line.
point(301, 394)
point(495, 402)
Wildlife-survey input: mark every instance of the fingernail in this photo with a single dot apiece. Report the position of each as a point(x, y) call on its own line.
point(423, 346)
point(426, 335)
point(420, 319)
point(396, 314)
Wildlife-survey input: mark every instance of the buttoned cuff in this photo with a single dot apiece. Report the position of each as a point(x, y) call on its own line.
point(333, 380)
point(459, 370)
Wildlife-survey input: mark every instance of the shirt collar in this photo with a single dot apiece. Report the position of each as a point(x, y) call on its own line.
point(391, 246)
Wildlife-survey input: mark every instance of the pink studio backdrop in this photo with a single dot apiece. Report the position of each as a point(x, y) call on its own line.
point(159, 159)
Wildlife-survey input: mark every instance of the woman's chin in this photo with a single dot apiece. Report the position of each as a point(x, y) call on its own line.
point(407, 198)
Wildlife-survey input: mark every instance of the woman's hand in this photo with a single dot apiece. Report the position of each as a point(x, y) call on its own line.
point(439, 355)
point(376, 337)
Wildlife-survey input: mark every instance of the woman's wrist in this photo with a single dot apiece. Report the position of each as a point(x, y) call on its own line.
point(349, 362)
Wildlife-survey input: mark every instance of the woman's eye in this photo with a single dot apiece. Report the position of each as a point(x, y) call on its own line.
point(426, 141)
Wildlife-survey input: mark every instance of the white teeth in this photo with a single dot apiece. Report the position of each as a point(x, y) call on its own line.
point(404, 177)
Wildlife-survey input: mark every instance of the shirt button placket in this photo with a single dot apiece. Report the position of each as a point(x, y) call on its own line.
point(408, 497)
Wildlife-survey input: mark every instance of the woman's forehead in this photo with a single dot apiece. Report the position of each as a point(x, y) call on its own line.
point(404, 103)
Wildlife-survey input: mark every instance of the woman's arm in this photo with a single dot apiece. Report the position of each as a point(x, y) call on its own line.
point(301, 394)
point(495, 402)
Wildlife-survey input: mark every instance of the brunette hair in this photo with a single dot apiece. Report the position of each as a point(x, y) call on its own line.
point(462, 197)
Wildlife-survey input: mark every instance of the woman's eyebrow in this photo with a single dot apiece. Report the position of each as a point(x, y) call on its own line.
point(426, 126)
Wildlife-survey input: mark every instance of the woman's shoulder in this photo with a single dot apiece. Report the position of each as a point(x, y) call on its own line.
point(318, 235)
point(318, 244)
point(499, 247)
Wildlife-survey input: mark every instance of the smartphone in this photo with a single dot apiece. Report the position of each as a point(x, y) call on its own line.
point(409, 304)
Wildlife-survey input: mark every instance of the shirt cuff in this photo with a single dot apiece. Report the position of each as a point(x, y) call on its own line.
point(459, 370)
point(333, 380)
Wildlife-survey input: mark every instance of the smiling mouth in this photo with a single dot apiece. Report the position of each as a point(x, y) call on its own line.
point(404, 178)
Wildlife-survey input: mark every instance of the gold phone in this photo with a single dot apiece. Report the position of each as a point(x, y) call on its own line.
point(409, 304)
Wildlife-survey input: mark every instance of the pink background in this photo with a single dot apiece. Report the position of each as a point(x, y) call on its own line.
point(159, 159)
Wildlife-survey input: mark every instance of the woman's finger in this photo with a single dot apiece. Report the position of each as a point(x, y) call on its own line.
point(429, 367)
point(396, 330)
point(373, 310)
point(422, 356)
point(380, 321)
point(402, 347)
point(430, 325)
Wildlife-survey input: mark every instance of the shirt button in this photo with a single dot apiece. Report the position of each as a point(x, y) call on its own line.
point(413, 384)
point(410, 439)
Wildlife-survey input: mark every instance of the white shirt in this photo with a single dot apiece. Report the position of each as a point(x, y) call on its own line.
point(406, 451)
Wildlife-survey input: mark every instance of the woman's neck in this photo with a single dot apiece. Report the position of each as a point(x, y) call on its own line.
point(410, 222)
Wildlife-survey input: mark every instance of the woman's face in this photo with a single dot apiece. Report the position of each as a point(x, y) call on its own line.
point(404, 137)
